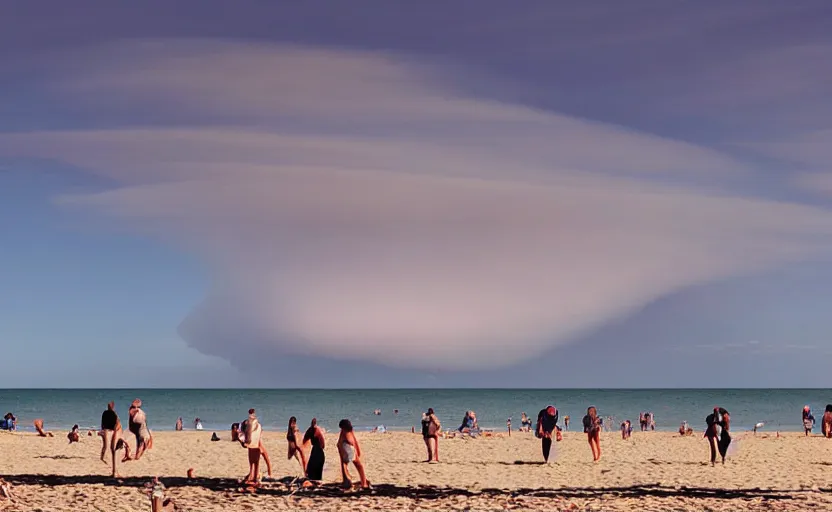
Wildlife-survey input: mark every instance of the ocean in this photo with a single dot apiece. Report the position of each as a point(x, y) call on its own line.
point(780, 409)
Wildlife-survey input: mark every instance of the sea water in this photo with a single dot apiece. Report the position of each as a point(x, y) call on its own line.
point(780, 409)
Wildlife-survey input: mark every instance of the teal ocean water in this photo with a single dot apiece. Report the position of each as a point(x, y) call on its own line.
point(218, 408)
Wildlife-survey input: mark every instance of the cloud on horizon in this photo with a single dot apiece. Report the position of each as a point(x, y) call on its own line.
point(355, 205)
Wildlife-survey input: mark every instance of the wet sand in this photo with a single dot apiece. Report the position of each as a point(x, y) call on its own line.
point(652, 471)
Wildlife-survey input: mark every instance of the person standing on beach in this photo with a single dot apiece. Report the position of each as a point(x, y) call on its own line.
point(251, 438)
point(317, 457)
point(179, 426)
point(566, 422)
point(350, 451)
point(808, 420)
point(718, 425)
point(826, 422)
point(111, 437)
point(295, 450)
point(592, 427)
point(430, 433)
point(547, 422)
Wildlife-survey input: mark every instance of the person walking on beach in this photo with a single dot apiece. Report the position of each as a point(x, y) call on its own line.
point(718, 425)
point(808, 420)
point(826, 422)
point(295, 450)
point(137, 424)
point(317, 457)
point(350, 451)
point(592, 428)
point(112, 437)
point(547, 422)
point(430, 433)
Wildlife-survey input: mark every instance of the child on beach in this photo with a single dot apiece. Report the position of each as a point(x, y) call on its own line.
point(350, 451)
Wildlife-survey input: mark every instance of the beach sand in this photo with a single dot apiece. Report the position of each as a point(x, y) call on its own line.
point(652, 471)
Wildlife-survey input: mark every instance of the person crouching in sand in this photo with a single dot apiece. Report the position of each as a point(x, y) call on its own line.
point(592, 427)
point(74, 436)
point(112, 437)
point(350, 451)
point(295, 449)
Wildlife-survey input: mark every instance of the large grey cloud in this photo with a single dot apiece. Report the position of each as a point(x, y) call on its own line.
point(354, 205)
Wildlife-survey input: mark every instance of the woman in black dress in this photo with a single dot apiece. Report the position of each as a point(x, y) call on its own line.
point(315, 464)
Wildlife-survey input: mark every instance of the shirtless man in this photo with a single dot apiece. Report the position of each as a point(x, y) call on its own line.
point(112, 438)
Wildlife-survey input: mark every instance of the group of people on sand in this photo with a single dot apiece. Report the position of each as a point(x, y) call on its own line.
point(249, 435)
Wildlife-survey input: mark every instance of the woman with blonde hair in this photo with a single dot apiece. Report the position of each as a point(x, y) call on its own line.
point(592, 427)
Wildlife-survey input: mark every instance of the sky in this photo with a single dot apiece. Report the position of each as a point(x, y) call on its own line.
point(425, 194)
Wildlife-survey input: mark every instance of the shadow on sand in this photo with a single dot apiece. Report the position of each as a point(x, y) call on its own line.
point(288, 487)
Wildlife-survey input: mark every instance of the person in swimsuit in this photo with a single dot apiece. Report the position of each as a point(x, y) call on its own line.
point(251, 438)
point(592, 428)
point(547, 422)
point(296, 451)
point(179, 426)
point(137, 424)
point(826, 422)
point(718, 425)
point(74, 436)
point(350, 451)
point(112, 437)
point(430, 433)
point(317, 457)
point(566, 422)
point(808, 420)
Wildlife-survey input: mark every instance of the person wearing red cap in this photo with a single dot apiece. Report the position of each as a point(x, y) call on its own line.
point(547, 422)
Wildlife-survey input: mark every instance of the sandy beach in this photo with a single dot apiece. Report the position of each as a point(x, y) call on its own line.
point(652, 471)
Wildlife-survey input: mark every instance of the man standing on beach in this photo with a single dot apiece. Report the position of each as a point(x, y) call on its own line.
point(547, 422)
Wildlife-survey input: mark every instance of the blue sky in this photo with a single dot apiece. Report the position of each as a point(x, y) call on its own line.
point(609, 194)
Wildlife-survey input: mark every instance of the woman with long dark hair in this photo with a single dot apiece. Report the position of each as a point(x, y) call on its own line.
point(717, 432)
point(295, 450)
point(317, 457)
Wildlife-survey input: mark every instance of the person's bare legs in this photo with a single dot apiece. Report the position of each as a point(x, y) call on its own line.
point(346, 481)
point(265, 455)
point(430, 450)
point(141, 446)
point(103, 435)
point(436, 449)
point(253, 465)
point(360, 467)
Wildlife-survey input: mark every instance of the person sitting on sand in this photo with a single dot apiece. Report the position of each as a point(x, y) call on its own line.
point(808, 420)
point(137, 425)
point(350, 451)
point(73, 435)
point(38, 424)
point(179, 427)
point(317, 457)
point(826, 422)
point(9, 422)
point(430, 434)
point(197, 424)
point(295, 450)
point(592, 428)
point(235, 431)
point(547, 423)
point(525, 423)
point(718, 425)
point(112, 437)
